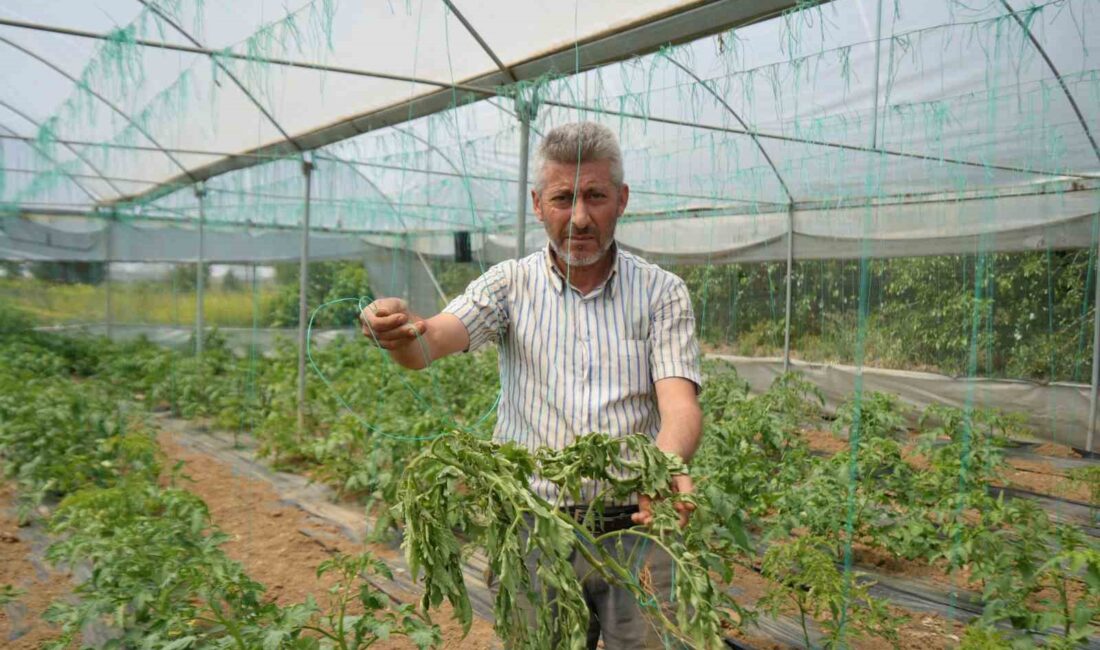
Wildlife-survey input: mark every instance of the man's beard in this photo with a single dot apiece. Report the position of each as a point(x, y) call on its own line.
point(571, 259)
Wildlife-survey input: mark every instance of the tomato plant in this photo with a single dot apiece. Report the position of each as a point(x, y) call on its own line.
point(877, 414)
point(805, 575)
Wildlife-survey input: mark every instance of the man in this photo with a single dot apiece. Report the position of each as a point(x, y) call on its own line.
point(591, 339)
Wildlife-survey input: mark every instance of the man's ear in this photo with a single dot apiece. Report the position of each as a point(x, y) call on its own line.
point(624, 196)
point(536, 204)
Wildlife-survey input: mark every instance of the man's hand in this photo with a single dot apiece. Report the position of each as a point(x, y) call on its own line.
point(680, 484)
point(387, 322)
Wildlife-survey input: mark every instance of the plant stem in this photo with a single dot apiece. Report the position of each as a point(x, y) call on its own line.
point(802, 621)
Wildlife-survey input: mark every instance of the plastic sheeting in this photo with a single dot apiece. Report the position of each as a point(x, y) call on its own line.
point(1042, 219)
point(749, 119)
point(87, 240)
point(1058, 411)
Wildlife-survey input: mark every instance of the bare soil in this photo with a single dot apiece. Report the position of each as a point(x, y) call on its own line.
point(1056, 450)
point(21, 626)
point(281, 546)
point(1044, 478)
point(824, 441)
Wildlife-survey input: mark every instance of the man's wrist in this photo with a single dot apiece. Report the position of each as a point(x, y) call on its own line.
point(670, 449)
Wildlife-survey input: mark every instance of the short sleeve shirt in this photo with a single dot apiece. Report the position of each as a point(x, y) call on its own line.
point(572, 364)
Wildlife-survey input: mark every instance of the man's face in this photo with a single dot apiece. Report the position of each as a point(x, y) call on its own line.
point(580, 222)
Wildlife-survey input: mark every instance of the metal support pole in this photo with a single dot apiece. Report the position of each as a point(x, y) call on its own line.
point(303, 288)
point(521, 194)
point(200, 276)
point(109, 316)
point(790, 274)
point(1095, 361)
point(878, 63)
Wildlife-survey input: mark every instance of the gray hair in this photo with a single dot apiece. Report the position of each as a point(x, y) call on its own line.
point(576, 143)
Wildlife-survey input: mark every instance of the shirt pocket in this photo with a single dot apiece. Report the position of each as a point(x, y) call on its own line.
point(626, 368)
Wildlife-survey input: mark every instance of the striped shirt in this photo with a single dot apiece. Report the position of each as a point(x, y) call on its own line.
point(572, 364)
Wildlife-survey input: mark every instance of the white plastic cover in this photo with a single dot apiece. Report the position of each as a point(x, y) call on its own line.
point(970, 101)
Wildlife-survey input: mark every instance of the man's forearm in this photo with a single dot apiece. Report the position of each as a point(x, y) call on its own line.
point(681, 430)
point(412, 354)
point(430, 339)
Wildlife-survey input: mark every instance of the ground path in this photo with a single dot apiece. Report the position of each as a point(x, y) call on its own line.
point(22, 566)
point(282, 527)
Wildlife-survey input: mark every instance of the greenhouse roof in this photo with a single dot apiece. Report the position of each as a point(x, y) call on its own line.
point(203, 88)
point(731, 113)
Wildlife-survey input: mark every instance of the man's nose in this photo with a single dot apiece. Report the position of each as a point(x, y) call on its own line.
point(580, 219)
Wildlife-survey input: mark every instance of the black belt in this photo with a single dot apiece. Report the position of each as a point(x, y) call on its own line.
point(613, 518)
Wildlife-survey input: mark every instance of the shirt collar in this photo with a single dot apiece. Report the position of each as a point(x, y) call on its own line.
point(557, 279)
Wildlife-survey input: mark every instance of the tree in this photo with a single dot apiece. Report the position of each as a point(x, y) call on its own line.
point(328, 281)
point(182, 276)
point(11, 268)
point(70, 272)
point(230, 282)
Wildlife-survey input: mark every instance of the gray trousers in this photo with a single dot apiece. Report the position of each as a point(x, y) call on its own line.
point(614, 613)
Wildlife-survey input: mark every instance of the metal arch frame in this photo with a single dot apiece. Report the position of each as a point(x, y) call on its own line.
point(645, 35)
point(108, 103)
point(525, 118)
point(447, 160)
point(401, 218)
point(337, 201)
point(358, 163)
point(786, 190)
point(1057, 75)
point(91, 195)
point(480, 41)
point(488, 93)
point(57, 209)
point(1094, 399)
point(764, 11)
point(751, 133)
point(819, 143)
point(24, 170)
point(266, 113)
point(98, 172)
point(289, 63)
point(156, 11)
point(308, 167)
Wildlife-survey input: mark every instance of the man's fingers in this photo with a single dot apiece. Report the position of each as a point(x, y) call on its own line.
point(396, 337)
point(684, 506)
point(645, 513)
point(402, 333)
point(388, 306)
point(388, 324)
point(385, 323)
